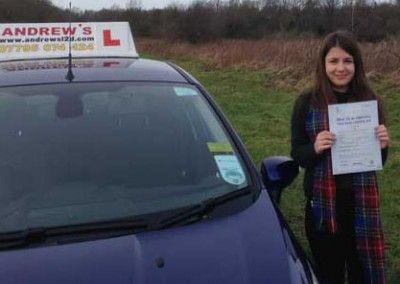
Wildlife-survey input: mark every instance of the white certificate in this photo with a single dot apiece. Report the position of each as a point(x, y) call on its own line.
point(356, 149)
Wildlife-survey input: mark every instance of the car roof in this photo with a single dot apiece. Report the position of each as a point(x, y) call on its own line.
point(47, 71)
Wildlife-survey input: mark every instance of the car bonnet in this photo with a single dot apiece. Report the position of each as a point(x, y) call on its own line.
point(247, 247)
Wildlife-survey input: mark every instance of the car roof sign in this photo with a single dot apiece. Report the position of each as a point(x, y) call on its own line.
point(51, 40)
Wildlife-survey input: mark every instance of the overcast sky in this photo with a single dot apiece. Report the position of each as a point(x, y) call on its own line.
point(99, 4)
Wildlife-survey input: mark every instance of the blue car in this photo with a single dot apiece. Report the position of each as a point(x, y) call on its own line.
point(124, 170)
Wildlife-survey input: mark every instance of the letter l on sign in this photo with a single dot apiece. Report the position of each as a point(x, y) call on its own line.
point(108, 41)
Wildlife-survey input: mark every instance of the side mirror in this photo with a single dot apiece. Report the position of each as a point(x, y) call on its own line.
point(278, 172)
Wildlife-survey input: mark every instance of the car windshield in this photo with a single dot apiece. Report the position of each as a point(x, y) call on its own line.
point(89, 152)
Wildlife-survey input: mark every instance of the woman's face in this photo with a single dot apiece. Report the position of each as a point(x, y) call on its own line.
point(339, 67)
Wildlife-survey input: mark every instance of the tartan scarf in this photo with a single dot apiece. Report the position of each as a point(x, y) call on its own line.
point(368, 230)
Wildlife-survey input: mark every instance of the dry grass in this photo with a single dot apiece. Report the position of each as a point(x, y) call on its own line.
point(293, 59)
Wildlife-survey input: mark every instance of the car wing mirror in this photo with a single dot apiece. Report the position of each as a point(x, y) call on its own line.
point(277, 173)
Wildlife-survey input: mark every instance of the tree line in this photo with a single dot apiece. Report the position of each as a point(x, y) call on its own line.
point(236, 19)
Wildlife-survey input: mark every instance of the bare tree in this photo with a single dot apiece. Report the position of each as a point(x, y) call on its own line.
point(134, 5)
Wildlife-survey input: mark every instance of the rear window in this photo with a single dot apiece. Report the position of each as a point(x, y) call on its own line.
point(87, 152)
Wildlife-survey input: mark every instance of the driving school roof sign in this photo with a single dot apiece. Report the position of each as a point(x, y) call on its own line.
point(51, 40)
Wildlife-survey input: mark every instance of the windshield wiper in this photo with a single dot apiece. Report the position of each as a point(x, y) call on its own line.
point(201, 210)
point(73, 233)
point(114, 228)
point(22, 238)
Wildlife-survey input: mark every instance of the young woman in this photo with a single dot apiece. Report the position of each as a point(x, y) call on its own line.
point(342, 216)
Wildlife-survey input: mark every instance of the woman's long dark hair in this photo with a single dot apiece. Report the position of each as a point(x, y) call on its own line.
point(359, 89)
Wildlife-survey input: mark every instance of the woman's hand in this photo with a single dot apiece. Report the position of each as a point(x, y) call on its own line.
point(382, 135)
point(324, 141)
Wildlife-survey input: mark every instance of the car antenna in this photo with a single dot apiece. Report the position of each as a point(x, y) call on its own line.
point(70, 76)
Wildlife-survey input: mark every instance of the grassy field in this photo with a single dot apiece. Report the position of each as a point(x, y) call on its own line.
point(259, 102)
point(290, 58)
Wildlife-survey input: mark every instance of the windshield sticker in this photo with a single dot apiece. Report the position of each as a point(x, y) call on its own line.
point(219, 147)
point(184, 91)
point(230, 169)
